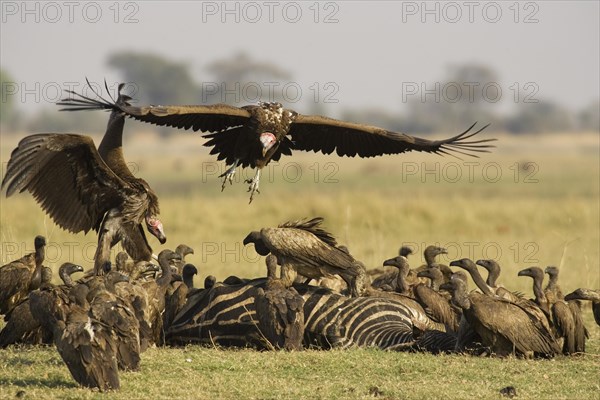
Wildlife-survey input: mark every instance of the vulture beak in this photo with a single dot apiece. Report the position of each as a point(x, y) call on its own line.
point(523, 273)
point(259, 245)
point(456, 263)
point(155, 227)
point(423, 274)
point(389, 263)
point(249, 239)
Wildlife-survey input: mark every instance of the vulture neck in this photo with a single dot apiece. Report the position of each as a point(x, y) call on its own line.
point(493, 275)
point(540, 297)
point(111, 147)
point(36, 278)
point(188, 280)
point(401, 285)
point(476, 276)
point(429, 258)
point(288, 275)
point(553, 287)
point(66, 277)
point(436, 281)
point(271, 270)
point(40, 255)
point(165, 277)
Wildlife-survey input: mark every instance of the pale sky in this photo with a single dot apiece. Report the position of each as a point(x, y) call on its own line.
point(372, 52)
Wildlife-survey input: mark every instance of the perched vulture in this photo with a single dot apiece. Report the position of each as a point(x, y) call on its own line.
point(563, 319)
point(118, 314)
point(86, 345)
point(157, 291)
point(84, 188)
point(506, 327)
point(253, 135)
point(21, 327)
point(280, 312)
point(21, 276)
point(554, 295)
point(177, 292)
point(303, 247)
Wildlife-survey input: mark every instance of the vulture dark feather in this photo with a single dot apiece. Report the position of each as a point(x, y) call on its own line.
point(253, 135)
point(84, 188)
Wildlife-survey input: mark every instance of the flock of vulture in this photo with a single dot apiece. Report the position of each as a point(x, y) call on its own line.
point(322, 297)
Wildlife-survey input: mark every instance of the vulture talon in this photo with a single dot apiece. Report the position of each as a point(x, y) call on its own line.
point(228, 175)
point(254, 183)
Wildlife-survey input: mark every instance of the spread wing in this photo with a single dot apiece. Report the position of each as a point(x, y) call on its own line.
point(211, 118)
point(317, 133)
point(67, 177)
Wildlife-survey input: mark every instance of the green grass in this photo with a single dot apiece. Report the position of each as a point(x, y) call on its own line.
point(373, 206)
point(206, 373)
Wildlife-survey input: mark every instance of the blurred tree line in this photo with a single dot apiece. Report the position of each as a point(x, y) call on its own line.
point(457, 100)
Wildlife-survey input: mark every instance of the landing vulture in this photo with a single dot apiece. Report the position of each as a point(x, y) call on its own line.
point(83, 188)
point(253, 135)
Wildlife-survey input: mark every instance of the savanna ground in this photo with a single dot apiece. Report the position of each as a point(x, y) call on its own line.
point(533, 201)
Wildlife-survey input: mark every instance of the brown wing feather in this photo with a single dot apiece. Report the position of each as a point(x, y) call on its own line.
point(65, 174)
point(211, 118)
point(317, 133)
point(522, 330)
point(313, 226)
point(306, 248)
point(15, 278)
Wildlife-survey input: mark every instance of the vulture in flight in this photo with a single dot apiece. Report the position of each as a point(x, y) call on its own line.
point(253, 135)
point(84, 188)
point(303, 247)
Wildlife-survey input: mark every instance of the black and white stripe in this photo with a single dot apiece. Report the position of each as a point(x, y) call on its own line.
point(225, 315)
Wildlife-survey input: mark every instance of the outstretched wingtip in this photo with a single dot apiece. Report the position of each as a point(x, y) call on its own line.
point(79, 102)
point(461, 145)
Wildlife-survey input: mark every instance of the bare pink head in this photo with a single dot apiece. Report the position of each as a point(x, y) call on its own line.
point(267, 139)
point(155, 227)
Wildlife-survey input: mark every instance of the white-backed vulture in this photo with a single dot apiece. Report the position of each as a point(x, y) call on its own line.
point(502, 325)
point(21, 327)
point(554, 295)
point(21, 276)
point(303, 247)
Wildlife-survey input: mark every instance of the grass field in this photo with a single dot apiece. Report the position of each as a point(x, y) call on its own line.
point(534, 201)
